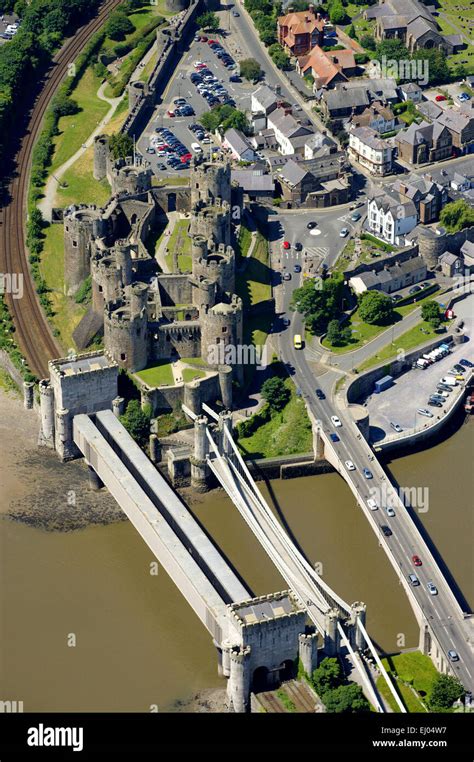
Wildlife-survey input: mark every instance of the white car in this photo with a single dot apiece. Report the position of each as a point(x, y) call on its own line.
point(372, 504)
point(336, 420)
point(349, 465)
point(344, 232)
point(196, 148)
point(425, 412)
point(197, 63)
point(206, 140)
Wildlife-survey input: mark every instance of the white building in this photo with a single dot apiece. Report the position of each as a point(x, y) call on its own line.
point(391, 219)
point(370, 151)
point(238, 145)
point(290, 134)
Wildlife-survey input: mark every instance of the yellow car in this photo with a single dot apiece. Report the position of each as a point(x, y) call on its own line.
point(297, 341)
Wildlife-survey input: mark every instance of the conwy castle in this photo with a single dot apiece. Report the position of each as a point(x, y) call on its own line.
point(147, 316)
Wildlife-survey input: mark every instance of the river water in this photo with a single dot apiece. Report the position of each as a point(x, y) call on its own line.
point(87, 627)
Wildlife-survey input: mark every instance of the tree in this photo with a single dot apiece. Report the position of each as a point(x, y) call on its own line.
point(368, 42)
point(137, 421)
point(118, 26)
point(375, 308)
point(275, 393)
point(352, 32)
point(327, 676)
point(457, 216)
point(436, 64)
point(346, 699)
point(120, 145)
point(63, 105)
point(392, 50)
point(208, 20)
point(279, 57)
point(337, 14)
point(319, 305)
point(224, 117)
point(334, 333)
point(431, 313)
point(250, 69)
point(444, 692)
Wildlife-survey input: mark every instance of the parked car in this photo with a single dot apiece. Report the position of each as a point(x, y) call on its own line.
point(466, 363)
point(397, 297)
point(440, 98)
point(425, 412)
point(434, 403)
point(414, 290)
point(396, 427)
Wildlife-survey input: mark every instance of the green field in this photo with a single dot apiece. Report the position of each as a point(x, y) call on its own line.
point(68, 313)
point(413, 668)
point(160, 374)
point(180, 241)
point(7, 383)
point(287, 432)
point(189, 374)
point(409, 340)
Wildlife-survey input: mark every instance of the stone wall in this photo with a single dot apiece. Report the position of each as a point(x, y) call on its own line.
point(400, 256)
point(432, 245)
point(165, 399)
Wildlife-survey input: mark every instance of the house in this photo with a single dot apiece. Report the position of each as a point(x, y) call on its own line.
point(327, 67)
point(254, 183)
point(428, 196)
point(410, 91)
point(317, 183)
point(424, 142)
point(373, 153)
point(412, 22)
point(299, 32)
point(467, 251)
point(450, 264)
point(238, 145)
point(462, 183)
point(376, 116)
point(461, 126)
point(390, 279)
point(350, 98)
point(429, 110)
point(264, 140)
point(319, 144)
point(389, 217)
point(264, 100)
point(290, 133)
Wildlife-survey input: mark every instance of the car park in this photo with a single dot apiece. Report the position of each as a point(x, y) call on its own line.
point(336, 421)
point(234, 78)
point(432, 589)
point(414, 290)
point(368, 473)
point(434, 403)
point(372, 503)
point(425, 412)
point(196, 148)
point(460, 368)
point(320, 394)
point(396, 297)
point(466, 363)
point(386, 530)
point(389, 511)
point(449, 381)
point(349, 465)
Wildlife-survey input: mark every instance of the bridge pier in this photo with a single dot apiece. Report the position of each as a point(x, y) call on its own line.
point(318, 444)
point(199, 469)
point(46, 436)
point(225, 424)
point(155, 449)
point(118, 406)
point(358, 612)
point(28, 394)
point(95, 482)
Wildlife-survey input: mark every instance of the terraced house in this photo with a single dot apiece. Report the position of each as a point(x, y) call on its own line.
point(424, 142)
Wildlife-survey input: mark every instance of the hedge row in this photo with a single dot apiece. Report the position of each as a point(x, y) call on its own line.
point(8, 343)
point(119, 83)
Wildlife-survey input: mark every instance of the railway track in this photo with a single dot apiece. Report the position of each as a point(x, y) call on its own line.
point(33, 332)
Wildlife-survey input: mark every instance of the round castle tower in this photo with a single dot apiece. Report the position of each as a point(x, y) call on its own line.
point(216, 265)
point(130, 179)
point(221, 326)
point(110, 273)
point(101, 151)
point(210, 181)
point(81, 225)
point(125, 328)
point(175, 6)
point(136, 91)
point(431, 245)
point(212, 222)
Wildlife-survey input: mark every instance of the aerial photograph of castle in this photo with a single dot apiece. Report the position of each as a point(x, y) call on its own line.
point(236, 372)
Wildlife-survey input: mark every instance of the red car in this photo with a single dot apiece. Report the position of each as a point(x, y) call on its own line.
point(440, 98)
point(170, 113)
point(204, 38)
point(416, 560)
point(286, 245)
point(210, 42)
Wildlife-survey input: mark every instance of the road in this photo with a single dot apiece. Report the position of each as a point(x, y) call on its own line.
point(452, 631)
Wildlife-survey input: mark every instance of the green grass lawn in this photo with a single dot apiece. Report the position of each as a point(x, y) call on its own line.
point(81, 186)
point(180, 241)
point(369, 250)
point(411, 702)
point(189, 374)
point(68, 313)
point(245, 239)
point(253, 282)
point(7, 383)
point(196, 361)
point(414, 668)
point(288, 431)
point(160, 374)
point(75, 129)
point(171, 180)
point(409, 340)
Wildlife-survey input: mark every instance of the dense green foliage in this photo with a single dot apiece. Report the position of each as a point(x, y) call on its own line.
point(250, 69)
point(337, 334)
point(320, 301)
point(223, 118)
point(327, 676)
point(118, 26)
point(431, 312)
point(137, 421)
point(457, 216)
point(45, 23)
point(347, 699)
point(275, 393)
point(337, 13)
point(278, 56)
point(208, 20)
point(8, 343)
point(445, 691)
point(84, 292)
point(121, 145)
point(375, 308)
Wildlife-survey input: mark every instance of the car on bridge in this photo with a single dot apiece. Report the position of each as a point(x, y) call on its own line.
point(320, 394)
point(386, 530)
point(333, 437)
point(416, 560)
point(389, 511)
point(433, 590)
point(372, 504)
point(349, 465)
point(336, 421)
point(414, 580)
point(367, 473)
